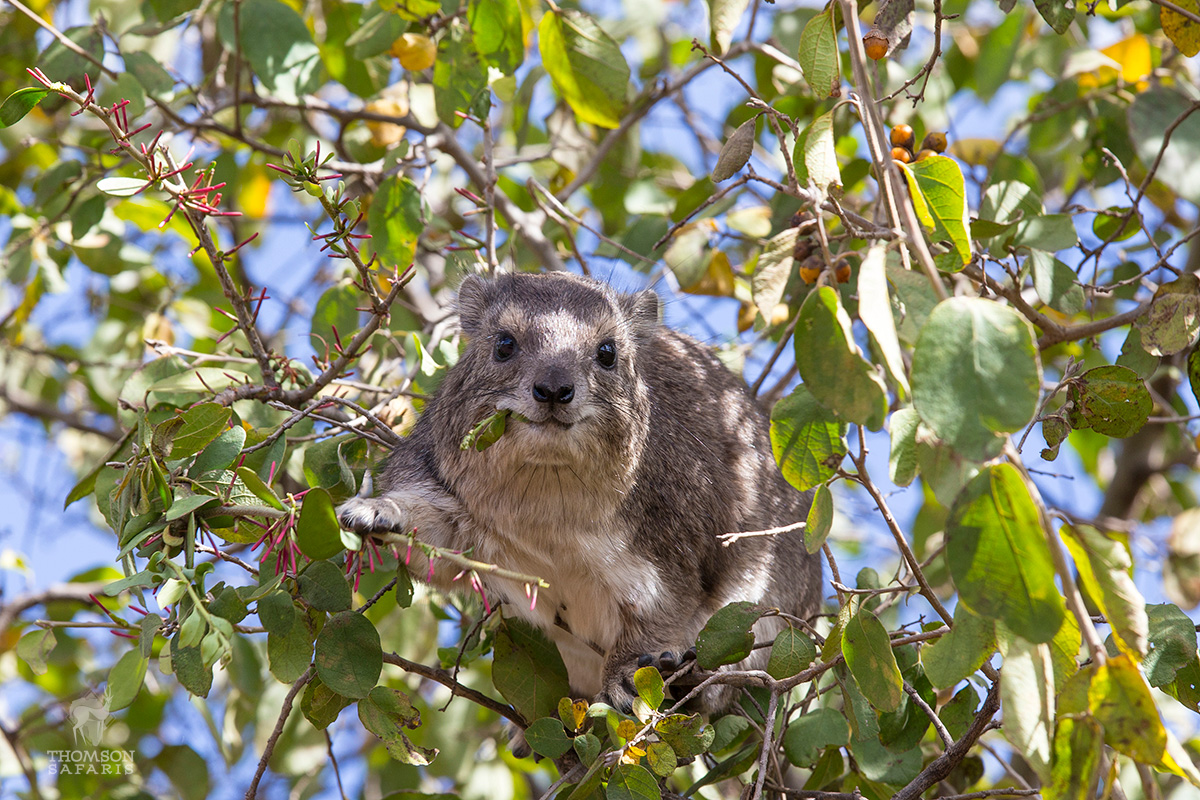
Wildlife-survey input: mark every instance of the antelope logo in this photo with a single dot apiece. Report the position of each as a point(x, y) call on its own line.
point(89, 717)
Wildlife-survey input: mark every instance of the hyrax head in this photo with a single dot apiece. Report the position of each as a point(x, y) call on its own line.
point(558, 350)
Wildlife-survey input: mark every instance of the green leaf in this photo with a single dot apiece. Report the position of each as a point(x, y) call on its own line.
point(277, 612)
point(649, 685)
point(259, 488)
point(182, 506)
point(377, 29)
point(282, 53)
point(189, 667)
point(460, 79)
point(384, 712)
point(1027, 696)
point(289, 655)
point(772, 270)
point(149, 73)
point(820, 156)
point(496, 31)
point(819, 521)
point(201, 424)
point(587, 747)
point(687, 734)
point(809, 734)
point(324, 586)
point(724, 16)
point(819, 59)
point(902, 462)
point(586, 65)
point(958, 654)
point(975, 374)
point(1105, 569)
point(1048, 232)
point(349, 656)
point(186, 769)
point(1151, 113)
point(868, 652)
point(395, 221)
point(547, 737)
point(1075, 762)
point(198, 380)
point(317, 532)
point(632, 782)
point(527, 669)
point(831, 365)
point(998, 556)
point(1118, 223)
point(875, 310)
point(320, 704)
point(337, 309)
point(726, 637)
point(791, 653)
point(1059, 14)
point(1120, 699)
point(808, 441)
point(1172, 639)
point(1111, 400)
point(996, 55)
point(35, 647)
point(125, 680)
point(20, 103)
point(938, 181)
point(661, 758)
point(1055, 283)
point(877, 763)
point(1173, 321)
point(1134, 356)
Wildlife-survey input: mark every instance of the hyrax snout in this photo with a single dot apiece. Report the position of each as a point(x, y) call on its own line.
point(629, 449)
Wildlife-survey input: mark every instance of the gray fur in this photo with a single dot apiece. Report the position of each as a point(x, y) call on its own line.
point(615, 497)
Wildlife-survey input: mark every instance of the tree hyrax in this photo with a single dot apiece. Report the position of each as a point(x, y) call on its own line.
point(634, 449)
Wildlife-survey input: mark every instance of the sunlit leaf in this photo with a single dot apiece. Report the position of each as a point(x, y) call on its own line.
point(997, 553)
point(586, 65)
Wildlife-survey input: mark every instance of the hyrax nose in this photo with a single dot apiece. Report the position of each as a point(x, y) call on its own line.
point(554, 392)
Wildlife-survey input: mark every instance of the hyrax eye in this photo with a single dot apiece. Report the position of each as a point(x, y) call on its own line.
point(505, 347)
point(606, 354)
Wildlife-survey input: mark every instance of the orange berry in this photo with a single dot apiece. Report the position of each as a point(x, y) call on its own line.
point(841, 270)
point(811, 268)
point(926, 153)
point(876, 44)
point(903, 136)
point(902, 154)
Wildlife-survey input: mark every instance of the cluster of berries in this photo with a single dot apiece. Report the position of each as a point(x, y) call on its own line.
point(903, 140)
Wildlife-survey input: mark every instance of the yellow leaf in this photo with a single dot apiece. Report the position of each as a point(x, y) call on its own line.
point(717, 280)
point(253, 191)
point(1183, 32)
point(394, 104)
point(415, 51)
point(579, 713)
point(1133, 54)
point(975, 152)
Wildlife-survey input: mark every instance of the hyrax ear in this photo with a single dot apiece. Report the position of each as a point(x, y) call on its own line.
point(474, 296)
point(642, 309)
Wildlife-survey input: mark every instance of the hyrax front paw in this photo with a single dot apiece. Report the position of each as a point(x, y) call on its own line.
point(373, 515)
point(619, 690)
